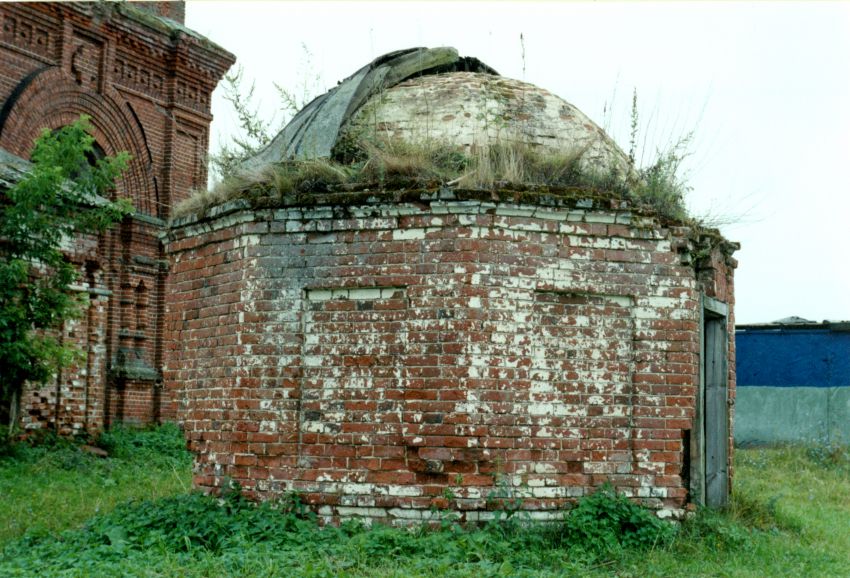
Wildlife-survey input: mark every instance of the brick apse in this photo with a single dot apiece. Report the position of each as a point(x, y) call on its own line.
point(145, 81)
point(385, 350)
point(373, 355)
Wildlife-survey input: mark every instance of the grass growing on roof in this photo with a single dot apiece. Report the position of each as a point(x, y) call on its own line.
point(392, 163)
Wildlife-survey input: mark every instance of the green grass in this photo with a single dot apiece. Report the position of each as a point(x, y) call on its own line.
point(54, 485)
point(790, 517)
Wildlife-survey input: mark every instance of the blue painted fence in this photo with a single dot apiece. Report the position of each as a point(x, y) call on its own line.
point(793, 383)
point(793, 357)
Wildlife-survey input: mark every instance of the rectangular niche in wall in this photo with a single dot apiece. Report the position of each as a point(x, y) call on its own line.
point(354, 342)
point(581, 378)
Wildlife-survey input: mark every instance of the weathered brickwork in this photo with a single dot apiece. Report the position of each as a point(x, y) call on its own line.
point(145, 81)
point(386, 358)
point(76, 396)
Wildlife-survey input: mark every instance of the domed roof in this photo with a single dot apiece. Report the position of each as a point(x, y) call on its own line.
point(473, 109)
point(424, 95)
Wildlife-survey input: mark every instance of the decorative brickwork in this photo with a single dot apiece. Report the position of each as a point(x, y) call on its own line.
point(384, 358)
point(145, 81)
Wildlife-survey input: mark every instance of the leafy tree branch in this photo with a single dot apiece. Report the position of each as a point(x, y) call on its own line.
point(64, 194)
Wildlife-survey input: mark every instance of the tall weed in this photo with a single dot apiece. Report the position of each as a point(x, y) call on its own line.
point(606, 521)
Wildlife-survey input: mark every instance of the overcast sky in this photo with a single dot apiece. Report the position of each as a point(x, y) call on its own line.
point(764, 87)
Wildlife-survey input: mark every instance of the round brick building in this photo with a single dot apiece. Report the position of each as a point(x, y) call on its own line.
point(385, 349)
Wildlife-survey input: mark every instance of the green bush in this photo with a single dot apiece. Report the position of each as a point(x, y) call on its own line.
point(606, 521)
point(198, 525)
point(193, 521)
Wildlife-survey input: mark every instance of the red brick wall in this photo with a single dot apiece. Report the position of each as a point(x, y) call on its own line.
point(378, 358)
point(73, 401)
point(146, 87)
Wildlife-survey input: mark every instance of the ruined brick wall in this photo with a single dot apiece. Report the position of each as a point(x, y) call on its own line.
point(146, 83)
point(382, 358)
point(73, 400)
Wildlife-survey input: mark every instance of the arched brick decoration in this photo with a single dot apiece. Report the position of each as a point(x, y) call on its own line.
point(50, 99)
point(145, 81)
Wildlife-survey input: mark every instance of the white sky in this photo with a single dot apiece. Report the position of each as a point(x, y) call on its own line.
point(764, 86)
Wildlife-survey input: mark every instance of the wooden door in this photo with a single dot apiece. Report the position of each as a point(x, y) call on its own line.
point(716, 411)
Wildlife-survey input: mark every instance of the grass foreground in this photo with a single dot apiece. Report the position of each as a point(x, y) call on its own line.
point(68, 513)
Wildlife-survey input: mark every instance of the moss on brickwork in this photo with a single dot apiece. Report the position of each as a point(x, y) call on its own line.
point(172, 28)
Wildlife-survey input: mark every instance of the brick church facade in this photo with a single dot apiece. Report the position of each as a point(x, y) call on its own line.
point(146, 82)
